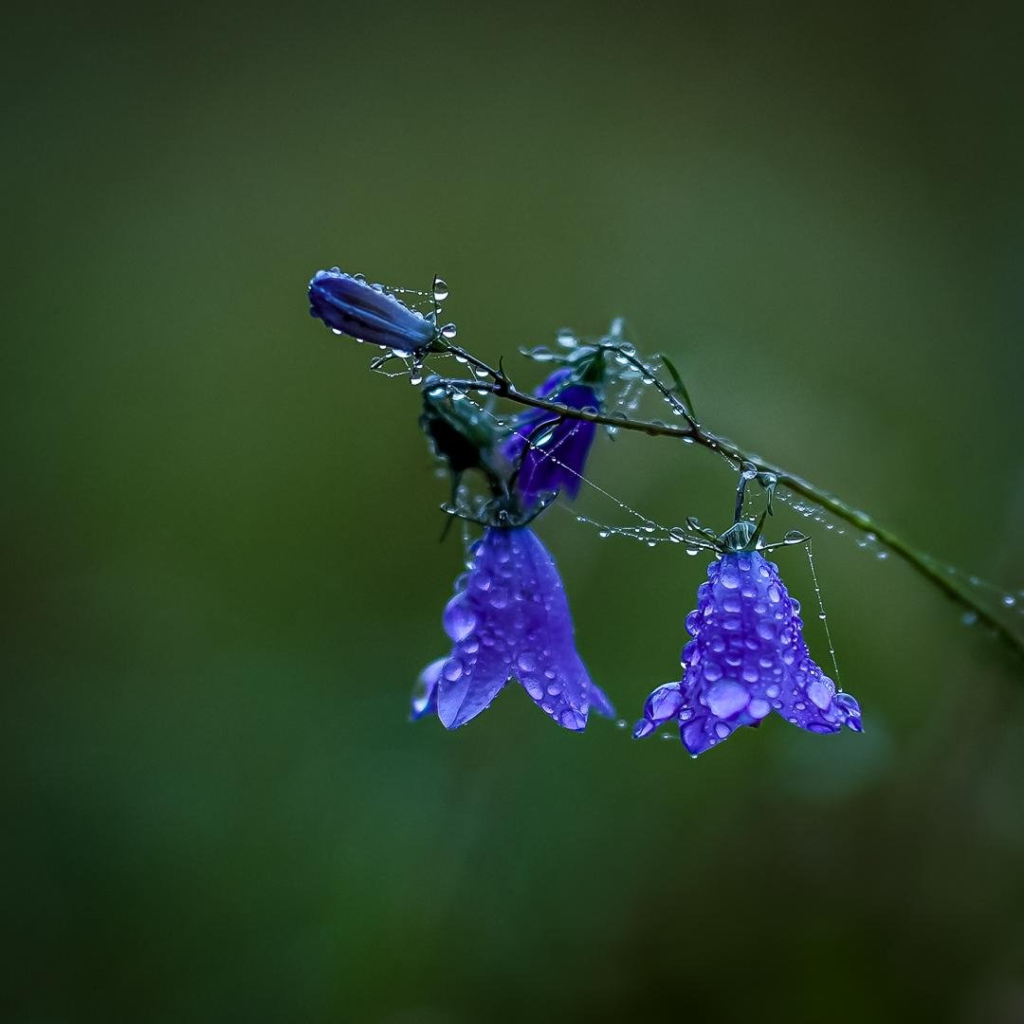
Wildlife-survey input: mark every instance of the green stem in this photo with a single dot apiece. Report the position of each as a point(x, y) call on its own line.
point(920, 561)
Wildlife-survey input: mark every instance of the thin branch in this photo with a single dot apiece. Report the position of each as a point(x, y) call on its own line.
point(920, 561)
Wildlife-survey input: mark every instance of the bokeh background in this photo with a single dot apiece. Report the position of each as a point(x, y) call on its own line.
point(219, 531)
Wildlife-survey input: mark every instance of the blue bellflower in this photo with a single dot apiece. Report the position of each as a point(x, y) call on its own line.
point(557, 451)
point(348, 305)
point(509, 619)
point(748, 659)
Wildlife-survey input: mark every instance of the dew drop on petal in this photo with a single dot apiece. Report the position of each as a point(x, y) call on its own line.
point(712, 672)
point(459, 621)
point(758, 708)
point(819, 694)
point(726, 698)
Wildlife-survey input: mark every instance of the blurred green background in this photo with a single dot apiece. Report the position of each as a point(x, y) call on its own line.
point(222, 573)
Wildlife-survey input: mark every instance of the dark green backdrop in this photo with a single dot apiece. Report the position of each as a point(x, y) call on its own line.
point(220, 532)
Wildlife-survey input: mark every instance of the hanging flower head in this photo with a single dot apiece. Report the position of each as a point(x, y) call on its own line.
point(748, 659)
point(349, 305)
point(509, 619)
point(551, 451)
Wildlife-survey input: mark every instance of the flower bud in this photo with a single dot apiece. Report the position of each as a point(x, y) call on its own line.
point(368, 313)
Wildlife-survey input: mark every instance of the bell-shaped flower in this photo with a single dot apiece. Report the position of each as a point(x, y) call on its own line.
point(349, 305)
point(748, 659)
point(551, 451)
point(509, 619)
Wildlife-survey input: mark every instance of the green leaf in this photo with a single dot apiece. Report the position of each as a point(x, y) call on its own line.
point(680, 387)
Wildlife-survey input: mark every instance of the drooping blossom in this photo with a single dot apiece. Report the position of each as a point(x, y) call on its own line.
point(509, 619)
point(556, 448)
point(748, 659)
point(352, 306)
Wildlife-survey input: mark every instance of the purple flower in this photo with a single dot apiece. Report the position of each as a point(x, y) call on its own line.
point(509, 619)
point(748, 658)
point(558, 447)
point(350, 306)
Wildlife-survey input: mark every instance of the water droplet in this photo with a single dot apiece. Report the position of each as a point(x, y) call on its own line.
point(711, 671)
point(727, 698)
point(729, 580)
point(758, 708)
point(440, 289)
point(969, 618)
point(449, 331)
point(1009, 600)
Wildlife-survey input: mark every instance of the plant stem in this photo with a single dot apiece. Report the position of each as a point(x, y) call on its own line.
point(927, 566)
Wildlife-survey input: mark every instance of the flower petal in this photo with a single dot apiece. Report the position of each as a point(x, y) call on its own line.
point(663, 703)
point(556, 461)
point(468, 682)
point(547, 663)
point(552, 451)
point(424, 700)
